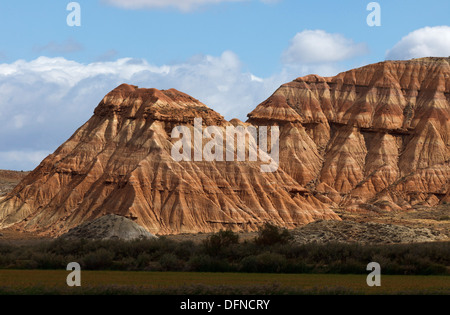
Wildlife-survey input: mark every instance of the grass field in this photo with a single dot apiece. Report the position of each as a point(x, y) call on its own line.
point(117, 282)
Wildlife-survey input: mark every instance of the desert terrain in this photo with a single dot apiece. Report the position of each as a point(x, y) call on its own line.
point(422, 224)
point(363, 157)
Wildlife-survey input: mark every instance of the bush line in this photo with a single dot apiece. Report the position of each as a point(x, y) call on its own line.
point(272, 251)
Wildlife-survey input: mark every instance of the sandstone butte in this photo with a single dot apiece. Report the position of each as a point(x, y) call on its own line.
point(370, 139)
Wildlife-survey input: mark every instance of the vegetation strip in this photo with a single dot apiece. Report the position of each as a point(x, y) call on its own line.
point(271, 252)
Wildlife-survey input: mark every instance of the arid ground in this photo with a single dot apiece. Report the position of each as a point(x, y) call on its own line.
point(421, 224)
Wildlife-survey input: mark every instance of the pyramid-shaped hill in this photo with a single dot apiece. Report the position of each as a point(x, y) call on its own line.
point(376, 138)
point(120, 162)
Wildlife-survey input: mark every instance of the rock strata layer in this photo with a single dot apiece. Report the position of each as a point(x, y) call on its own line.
point(375, 137)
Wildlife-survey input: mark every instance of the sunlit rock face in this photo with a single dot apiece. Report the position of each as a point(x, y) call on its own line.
point(120, 162)
point(377, 137)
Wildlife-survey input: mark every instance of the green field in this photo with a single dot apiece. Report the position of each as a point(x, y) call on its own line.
point(118, 282)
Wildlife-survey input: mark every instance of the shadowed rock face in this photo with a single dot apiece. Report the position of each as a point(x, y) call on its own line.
point(377, 135)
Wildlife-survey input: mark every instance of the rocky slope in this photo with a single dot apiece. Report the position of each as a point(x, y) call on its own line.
point(375, 137)
point(120, 162)
point(370, 139)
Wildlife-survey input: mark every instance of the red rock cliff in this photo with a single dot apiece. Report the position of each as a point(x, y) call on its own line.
point(120, 162)
point(374, 136)
point(377, 137)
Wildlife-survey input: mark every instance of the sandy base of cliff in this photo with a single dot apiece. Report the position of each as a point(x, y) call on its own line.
point(436, 219)
point(413, 226)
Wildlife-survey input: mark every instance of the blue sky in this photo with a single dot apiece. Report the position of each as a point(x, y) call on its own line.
point(257, 32)
point(230, 54)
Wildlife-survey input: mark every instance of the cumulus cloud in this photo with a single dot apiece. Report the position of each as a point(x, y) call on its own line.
point(183, 5)
point(424, 42)
point(43, 101)
point(318, 46)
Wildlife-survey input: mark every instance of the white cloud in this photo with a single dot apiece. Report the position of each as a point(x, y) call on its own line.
point(183, 5)
point(424, 42)
point(43, 101)
point(318, 47)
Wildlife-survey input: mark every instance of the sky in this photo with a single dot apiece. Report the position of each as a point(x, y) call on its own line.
point(58, 58)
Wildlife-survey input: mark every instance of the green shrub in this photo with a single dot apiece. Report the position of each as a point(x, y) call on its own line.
point(48, 261)
point(98, 260)
point(249, 264)
point(143, 260)
point(264, 263)
point(271, 234)
point(185, 249)
point(222, 252)
point(170, 262)
point(215, 243)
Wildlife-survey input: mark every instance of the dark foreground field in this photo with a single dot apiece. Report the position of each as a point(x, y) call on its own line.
point(223, 264)
point(195, 283)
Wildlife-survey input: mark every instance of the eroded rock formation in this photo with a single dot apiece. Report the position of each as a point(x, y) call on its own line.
point(120, 162)
point(374, 136)
point(377, 137)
